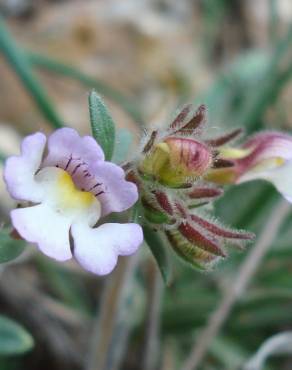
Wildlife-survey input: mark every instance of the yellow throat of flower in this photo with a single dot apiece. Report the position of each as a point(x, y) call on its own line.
point(71, 197)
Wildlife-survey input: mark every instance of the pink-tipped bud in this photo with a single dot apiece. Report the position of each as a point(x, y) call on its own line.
point(189, 156)
point(177, 161)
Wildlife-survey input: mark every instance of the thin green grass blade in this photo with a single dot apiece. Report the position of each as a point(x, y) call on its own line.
point(50, 64)
point(19, 63)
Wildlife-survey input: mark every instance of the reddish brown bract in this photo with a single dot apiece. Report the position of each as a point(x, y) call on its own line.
point(171, 175)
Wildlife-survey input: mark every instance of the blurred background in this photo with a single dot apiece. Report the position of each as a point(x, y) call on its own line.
point(146, 58)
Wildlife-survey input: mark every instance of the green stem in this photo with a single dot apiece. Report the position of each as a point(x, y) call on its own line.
point(21, 66)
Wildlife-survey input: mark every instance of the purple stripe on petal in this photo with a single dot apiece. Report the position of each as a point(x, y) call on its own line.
point(118, 193)
point(66, 143)
point(266, 146)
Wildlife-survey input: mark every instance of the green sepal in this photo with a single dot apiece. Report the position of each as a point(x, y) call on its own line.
point(188, 252)
point(156, 217)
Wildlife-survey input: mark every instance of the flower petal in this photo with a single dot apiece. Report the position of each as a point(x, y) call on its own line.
point(65, 143)
point(280, 177)
point(19, 170)
point(119, 194)
point(271, 144)
point(42, 225)
point(97, 250)
point(265, 146)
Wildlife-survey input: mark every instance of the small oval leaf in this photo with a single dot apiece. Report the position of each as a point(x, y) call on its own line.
point(102, 124)
point(9, 248)
point(14, 339)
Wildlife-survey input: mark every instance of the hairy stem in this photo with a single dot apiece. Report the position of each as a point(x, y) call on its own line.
point(246, 272)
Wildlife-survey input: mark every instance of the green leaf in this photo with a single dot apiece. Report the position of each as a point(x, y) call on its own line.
point(159, 251)
point(102, 125)
point(14, 339)
point(9, 248)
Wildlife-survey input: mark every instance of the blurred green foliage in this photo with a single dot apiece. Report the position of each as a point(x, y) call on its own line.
point(9, 248)
point(14, 339)
point(240, 96)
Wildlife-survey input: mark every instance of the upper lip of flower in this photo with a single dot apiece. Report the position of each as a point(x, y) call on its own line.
point(72, 187)
point(266, 155)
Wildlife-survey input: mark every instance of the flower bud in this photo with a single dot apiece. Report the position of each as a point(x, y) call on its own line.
point(177, 161)
point(177, 173)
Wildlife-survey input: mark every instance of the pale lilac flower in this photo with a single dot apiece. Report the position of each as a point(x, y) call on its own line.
point(267, 156)
point(68, 187)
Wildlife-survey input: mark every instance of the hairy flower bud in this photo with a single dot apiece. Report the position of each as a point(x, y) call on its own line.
point(172, 174)
point(177, 161)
